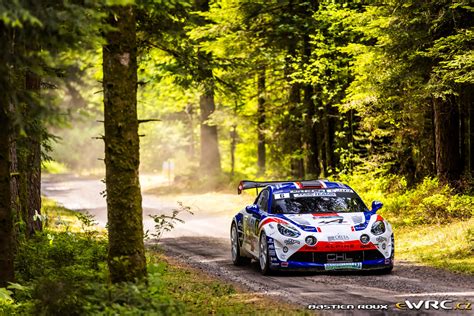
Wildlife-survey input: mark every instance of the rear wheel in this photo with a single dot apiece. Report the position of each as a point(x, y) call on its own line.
point(263, 255)
point(237, 259)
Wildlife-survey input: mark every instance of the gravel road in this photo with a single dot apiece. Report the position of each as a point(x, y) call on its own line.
point(203, 243)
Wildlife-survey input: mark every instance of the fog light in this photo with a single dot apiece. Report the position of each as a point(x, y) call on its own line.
point(364, 239)
point(285, 249)
point(311, 240)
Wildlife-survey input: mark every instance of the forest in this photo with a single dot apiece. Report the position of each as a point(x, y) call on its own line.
point(378, 94)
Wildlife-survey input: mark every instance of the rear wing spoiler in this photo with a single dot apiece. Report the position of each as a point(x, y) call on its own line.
point(247, 184)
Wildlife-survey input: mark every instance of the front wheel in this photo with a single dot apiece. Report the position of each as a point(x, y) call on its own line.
point(237, 259)
point(263, 255)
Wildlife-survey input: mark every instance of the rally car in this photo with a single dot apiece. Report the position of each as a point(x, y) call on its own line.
point(313, 225)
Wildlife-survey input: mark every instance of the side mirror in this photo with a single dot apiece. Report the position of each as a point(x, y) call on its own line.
point(376, 205)
point(252, 209)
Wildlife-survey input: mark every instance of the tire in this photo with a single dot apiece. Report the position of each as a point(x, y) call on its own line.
point(237, 259)
point(263, 257)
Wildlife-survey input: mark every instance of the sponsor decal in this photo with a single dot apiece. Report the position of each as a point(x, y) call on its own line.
point(272, 252)
point(338, 256)
point(342, 190)
point(387, 261)
point(381, 239)
point(338, 237)
point(311, 193)
point(290, 241)
point(346, 265)
point(271, 246)
point(284, 264)
point(325, 246)
point(434, 305)
point(279, 196)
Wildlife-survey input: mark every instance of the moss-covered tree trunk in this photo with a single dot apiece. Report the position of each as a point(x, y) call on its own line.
point(29, 161)
point(261, 152)
point(126, 254)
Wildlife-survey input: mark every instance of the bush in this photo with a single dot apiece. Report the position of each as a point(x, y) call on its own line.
point(427, 203)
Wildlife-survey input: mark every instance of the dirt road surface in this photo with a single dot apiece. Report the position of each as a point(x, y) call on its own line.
point(202, 241)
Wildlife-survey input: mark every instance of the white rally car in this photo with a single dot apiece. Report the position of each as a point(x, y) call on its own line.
point(312, 225)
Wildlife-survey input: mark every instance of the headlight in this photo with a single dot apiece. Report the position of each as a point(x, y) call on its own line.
point(287, 230)
point(378, 228)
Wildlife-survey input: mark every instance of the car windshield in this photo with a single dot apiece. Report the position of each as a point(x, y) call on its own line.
point(317, 201)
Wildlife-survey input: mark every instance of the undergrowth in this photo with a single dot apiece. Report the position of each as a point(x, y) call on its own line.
point(63, 271)
point(433, 224)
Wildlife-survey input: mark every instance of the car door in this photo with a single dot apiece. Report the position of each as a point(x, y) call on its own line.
point(252, 221)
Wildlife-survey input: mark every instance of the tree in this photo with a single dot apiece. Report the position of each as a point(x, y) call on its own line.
point(126, 257)
point(261, 146)
point(411, 87)
point(6, 216)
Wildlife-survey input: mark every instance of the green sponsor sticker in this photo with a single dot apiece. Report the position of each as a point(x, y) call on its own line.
point(346, 265)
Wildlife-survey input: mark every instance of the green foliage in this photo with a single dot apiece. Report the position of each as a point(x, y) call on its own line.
point(53, 167)
point(60, 272)
point(426, 203)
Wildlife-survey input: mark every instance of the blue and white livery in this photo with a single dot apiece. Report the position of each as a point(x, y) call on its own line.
point(314, 225)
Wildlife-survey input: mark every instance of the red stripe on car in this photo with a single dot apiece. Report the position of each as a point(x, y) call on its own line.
point(270, 220)
point(327, 246)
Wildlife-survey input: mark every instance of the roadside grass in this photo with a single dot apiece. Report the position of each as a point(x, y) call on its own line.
point(202, 294)
point(63, 271)
point(449, 246)
point(433, 223)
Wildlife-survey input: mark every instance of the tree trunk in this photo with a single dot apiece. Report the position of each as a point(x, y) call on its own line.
point(310, 135)
point(331, 132)
point(233, 144)
point(261, 154)
point(6, 136)
point(6, 214)
point(126, 255)
point(210, 157)
point(313, 168)
point(467, 130)
point(31, 164)
point(294, 128)
point(210, 162)
point(446, 121)
point(470, 100)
